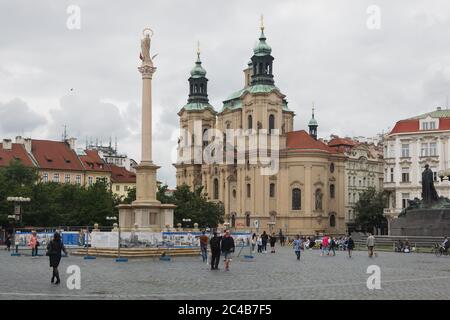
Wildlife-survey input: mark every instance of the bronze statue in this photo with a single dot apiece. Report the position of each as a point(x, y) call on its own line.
point(429, 194)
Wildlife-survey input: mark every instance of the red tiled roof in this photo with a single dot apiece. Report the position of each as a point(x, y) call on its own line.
point(92, 162)
point(302, 141)
point(406, 126)
point(342, 142)
point(55, 155)
point(17, 152)
point(120, 174)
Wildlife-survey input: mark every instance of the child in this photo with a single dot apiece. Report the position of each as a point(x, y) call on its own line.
point(259, 243)
point(297, 246)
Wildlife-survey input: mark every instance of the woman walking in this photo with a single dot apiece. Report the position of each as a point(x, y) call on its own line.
point(8, 242)
point(253, 242)
point(350, 246)
point(33, 243)
point(54, 249)
point(264, 238)
point(259, 243)
point(273, 240)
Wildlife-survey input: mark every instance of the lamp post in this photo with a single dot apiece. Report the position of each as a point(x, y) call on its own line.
point(187, 220)
point(17, 216)
point(118, 259)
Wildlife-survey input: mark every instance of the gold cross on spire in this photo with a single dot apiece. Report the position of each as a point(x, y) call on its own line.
point(262, 22)
point(198, 49)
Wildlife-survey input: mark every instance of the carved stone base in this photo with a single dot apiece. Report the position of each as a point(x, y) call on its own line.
point(146, 217)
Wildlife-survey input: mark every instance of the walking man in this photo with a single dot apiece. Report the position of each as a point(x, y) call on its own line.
point(214, 244)
point(227, 249)
point(370, 244)
point(297, 246)
point(264, 238)
point(204, 246)
point(8, 242)
point(350, 246)
point(273, 240)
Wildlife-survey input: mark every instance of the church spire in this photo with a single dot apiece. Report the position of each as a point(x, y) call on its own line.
point(262, 60)
point(313, 125)
point(198, 82)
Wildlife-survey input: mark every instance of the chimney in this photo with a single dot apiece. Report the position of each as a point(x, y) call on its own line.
point(72, 142)
point(248, 75)
point(438, 108)
point(7, 144)
point(19, 139)
point(27, 144)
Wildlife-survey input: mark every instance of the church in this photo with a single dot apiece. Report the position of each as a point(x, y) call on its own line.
point(305, 195)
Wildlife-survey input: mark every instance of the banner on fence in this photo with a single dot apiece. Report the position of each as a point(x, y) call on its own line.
point(69, 238)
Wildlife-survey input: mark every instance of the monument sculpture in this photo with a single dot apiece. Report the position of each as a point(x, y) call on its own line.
point(429, 216)
point(146, 212)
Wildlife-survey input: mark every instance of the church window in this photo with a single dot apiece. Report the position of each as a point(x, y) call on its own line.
point(332, 221)
point(271, 123)
point(247, 219)
point(272, 190)
point(296, 199)
point(332, 191)
point(248, 190)
point(250, 121)
point(216, 188)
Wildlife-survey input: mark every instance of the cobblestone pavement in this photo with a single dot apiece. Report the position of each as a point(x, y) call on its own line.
point(269, 276)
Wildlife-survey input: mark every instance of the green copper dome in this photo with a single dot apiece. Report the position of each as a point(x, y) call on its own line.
point(198, 71)
point(313, 122)
point(262, 48)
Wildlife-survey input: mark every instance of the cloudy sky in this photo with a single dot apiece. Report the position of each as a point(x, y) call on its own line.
point(362, 79)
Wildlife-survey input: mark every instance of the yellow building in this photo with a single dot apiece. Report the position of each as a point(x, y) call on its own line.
point(304, 194)
point(122, 180)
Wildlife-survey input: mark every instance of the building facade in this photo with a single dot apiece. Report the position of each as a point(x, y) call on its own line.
point(412, 144)
point(304, 196)
point(363, 169)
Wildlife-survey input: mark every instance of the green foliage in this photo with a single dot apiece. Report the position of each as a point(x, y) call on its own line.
point(369, 209)
point(54, 204)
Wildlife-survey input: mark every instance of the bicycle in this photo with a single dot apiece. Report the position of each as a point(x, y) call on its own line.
point(439, 250)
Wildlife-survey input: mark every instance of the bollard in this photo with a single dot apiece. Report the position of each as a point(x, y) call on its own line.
point(121, 259)
point(89, 257)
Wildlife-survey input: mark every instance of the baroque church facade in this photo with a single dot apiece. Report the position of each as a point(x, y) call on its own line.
point(304, 196)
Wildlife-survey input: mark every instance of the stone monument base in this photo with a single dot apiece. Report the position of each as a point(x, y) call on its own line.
point(146, 216)
point(422, 222)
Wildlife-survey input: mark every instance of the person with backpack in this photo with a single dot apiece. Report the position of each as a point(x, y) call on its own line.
point(204, 247)
point(259, 244)
point(215, 246)
point(54, 249)
point(297, 244)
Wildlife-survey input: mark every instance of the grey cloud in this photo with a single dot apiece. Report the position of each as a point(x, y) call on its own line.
point(16, 117)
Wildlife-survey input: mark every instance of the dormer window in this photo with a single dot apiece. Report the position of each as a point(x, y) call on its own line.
point(429, 125)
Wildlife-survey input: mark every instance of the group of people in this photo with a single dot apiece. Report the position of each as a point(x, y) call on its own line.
point(260, 241)
point(219, 245)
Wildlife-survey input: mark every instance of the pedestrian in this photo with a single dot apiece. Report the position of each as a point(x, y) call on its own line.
point(259, 243)
point(8, 242)
point(297, 243)
point(333, 245)
point(214, 244)
point(273, 240)
point(264, 238)
point(254, 239)
point(350, 246)
point(227, 249)
point(204, 247)
point(370, 244)
point(324, 247)
point(281, 236)
point(54, 249)
point(34, 244)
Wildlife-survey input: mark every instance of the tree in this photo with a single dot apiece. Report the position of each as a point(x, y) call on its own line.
point(369, 210)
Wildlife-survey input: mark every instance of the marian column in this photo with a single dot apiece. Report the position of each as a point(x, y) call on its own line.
point(146, 171)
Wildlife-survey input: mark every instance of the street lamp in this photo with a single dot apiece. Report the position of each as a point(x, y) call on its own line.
point(187, 220)
point(17, 216)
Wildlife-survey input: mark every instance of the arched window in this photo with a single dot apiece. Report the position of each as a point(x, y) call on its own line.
point(318, 197)
point(332, 221)
point(248, 190)
point(247, 219)
point(234, 193)
point(296, 199)
point(233, 220)
point(272, 190)
point(205, 137)
point(216, 189)
point(250, 121)
point(332, 191)
point(201, 88)
point(271, 123)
